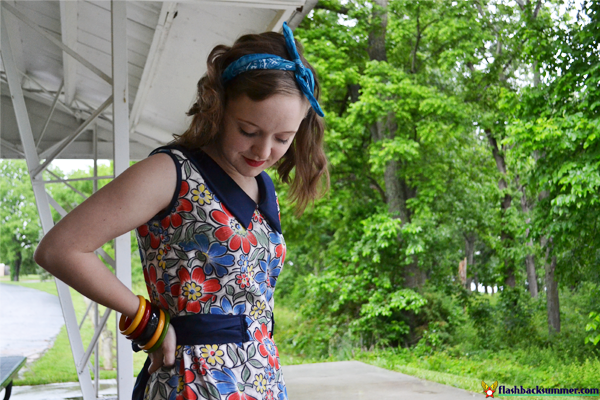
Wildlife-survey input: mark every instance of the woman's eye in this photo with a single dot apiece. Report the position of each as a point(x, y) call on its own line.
point(243, 132)
point(282, 141)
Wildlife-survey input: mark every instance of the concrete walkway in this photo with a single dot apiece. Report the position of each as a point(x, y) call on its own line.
point(325, 381)
point(29, 321)
point(356, 380)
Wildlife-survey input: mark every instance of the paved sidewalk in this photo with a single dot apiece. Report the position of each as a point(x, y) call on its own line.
point(360, 381)
point(29, 321)
point(325, 381)
point(61, 391)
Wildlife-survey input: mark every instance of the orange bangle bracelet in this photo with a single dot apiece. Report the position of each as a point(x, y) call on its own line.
point(142, 325)
point(157, 332)
point(136, 320)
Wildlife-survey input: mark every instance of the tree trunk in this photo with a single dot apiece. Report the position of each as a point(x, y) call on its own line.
point(505, 234)
point(531, 274)
point(470, 239)
point(552, 300)
point(469, 251)
point(17, 267)
point(529, 258)
point(396, 189)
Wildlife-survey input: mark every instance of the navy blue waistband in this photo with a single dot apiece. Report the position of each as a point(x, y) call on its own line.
point(210, 329)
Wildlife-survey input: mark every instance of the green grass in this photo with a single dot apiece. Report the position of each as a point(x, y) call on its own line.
point(467, 373)
point(56, 364)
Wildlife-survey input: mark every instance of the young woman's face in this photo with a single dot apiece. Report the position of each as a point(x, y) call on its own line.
point(256, 134)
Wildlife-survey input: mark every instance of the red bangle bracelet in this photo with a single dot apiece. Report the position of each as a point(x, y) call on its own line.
point(138, 331)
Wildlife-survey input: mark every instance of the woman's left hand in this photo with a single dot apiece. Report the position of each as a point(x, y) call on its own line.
point(165, 355)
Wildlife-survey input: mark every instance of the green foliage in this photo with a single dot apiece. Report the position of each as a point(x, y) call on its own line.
point(21, 230)
point(553, 135)
point(347, 256)
point(469, 98)
point(593, 326)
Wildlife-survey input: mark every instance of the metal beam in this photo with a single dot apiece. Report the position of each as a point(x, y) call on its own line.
point(161, 33)
point(86, 357)
point(282, 16)
point(91, 178)
point(52, 108)
point(118, 13)
point(299, 15)
point(273, 4)
point(68, 140)
point(50, 36)
point(12, 23)
point(35, 94)
point(65, 181)
point(41, 199)
point(11, 147)
point(68, 29)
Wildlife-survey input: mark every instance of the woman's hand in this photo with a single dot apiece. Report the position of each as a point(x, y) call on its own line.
point(165, 355)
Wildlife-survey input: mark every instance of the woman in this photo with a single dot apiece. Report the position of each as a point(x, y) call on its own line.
point(208, 227)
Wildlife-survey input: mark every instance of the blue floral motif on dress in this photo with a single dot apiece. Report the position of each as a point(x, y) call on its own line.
point(227, 309)
point(215, 254)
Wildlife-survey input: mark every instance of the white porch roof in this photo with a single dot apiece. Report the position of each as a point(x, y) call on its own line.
point(167, 42)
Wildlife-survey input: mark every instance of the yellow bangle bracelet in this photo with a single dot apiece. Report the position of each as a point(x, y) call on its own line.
point(157, 332)
point(138, 317)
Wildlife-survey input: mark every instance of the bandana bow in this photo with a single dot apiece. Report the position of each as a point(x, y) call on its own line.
point(304, 76)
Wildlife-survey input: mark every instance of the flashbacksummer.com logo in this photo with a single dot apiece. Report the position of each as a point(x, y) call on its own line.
point(489, 390)
point(536, 391)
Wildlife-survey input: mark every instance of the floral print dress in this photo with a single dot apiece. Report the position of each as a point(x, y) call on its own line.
point(215, 251)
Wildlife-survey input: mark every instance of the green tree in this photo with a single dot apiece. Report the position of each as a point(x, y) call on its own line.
point(554, 136)
point(411, 182)
point(21, 231)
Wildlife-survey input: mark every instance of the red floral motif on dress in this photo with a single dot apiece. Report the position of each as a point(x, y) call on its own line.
point(182, 205)
point(154, 230)
point(193, 290)
point(240, 396)
point(280, 252)
point(184, 391)
point(156, 287)
point(199, 365)
point(267, 348)
point(233, 231)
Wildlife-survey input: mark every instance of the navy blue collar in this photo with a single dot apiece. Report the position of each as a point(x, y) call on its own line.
point(229, 192)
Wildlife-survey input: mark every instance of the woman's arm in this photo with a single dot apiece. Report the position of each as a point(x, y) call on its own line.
point(130, 200)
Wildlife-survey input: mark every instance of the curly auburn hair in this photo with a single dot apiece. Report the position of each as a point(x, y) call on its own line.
point(306, 152)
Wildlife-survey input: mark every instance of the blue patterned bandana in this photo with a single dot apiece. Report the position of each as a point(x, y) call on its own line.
point(304, 76)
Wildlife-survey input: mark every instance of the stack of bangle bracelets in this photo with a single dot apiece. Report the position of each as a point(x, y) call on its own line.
point(148, 328)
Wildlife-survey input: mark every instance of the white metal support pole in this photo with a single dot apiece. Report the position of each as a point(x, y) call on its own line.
point(97, 348)
point(121, 157)
point(41, 198)
point(95, 158)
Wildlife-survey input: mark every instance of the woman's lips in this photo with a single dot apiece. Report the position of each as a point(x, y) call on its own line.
point(253, 163)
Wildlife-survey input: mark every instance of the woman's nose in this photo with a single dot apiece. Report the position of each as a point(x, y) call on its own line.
point(261, 149)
